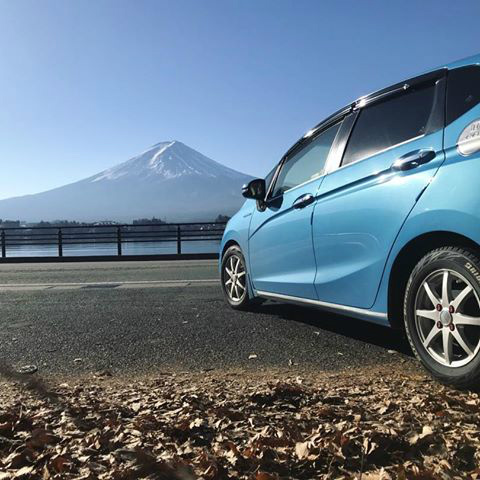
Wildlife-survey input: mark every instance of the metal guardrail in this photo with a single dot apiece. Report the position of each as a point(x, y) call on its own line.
point(119, 235)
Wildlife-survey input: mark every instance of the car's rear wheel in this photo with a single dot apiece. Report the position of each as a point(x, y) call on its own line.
point(234, 278)
point(442, 315)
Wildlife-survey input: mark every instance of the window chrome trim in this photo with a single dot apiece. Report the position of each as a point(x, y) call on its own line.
point(340, 144)
point(326, 305)
point(324, 124)
point(274, 180)
point(398, 87)
point(369, 99)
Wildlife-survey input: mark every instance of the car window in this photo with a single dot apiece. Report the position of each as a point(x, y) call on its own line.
point(307, 163)
point(463, 91)
point(390, 122)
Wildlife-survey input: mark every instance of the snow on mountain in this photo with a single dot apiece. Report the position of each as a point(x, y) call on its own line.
point(167, 160)
point(169, 180)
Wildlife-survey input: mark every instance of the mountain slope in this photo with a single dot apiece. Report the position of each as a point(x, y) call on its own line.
point(169, 181)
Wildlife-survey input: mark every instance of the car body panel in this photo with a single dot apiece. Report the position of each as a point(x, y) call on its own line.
point(460, 216)
point(237, 228)
point(455, 194)
point(357, 217)
point(281, 256)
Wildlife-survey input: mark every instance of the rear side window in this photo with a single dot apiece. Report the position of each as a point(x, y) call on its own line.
point(306, 164)
point(463, 91)
point(392, 121)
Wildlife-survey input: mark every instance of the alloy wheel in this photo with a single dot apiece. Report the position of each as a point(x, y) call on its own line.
point(234, 278)
point(447, 318)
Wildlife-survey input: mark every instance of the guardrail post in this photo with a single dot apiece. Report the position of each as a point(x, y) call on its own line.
point(119, 241)
point(4, 247)
point(179, 240)
point(60, 243)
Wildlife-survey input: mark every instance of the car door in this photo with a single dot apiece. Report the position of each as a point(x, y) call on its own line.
point(392, 154)
point(281, 256)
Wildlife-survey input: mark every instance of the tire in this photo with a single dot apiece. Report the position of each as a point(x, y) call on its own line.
point(234, 279)
point(442, 315)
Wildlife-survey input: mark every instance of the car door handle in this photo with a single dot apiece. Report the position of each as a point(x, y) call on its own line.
point(413, 159)
point(303, 201)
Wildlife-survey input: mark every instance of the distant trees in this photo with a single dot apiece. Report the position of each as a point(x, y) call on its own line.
point(148, 221)
point(222, 219)
point(59, 223)
point(9, 223)
point(73, 223)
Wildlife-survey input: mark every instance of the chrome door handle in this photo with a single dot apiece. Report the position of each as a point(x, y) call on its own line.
point(413, 159)
point(303, 201)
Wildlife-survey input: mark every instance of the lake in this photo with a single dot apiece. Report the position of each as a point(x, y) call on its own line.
point(147, 248)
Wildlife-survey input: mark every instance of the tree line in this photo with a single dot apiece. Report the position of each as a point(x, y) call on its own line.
point(5, 223)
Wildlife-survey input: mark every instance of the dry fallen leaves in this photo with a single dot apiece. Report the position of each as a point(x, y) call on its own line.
point(301, 449)
point(366, 425)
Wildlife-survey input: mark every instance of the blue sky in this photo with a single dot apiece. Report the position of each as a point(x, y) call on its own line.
point(86, 84)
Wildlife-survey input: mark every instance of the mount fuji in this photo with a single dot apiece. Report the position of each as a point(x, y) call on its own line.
point(170, 181)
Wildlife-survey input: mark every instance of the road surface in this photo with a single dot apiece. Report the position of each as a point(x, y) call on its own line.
point(149, 316)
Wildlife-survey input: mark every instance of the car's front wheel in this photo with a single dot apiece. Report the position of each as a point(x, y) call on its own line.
point(442, 315)
point(234, 278)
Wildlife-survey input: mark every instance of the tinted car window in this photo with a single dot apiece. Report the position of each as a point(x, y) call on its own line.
point(463, 91)
point(306, 164)
point(390, 122)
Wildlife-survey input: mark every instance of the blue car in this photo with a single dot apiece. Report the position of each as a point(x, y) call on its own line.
point(375, 214)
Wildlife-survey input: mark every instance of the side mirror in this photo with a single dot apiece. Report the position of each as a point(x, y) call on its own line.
point(255, 189)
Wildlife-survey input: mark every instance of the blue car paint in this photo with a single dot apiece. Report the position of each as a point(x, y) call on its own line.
point(287, 265)
point(236, 232)
point(454, 194)
point(442, 196)
point(359, 213)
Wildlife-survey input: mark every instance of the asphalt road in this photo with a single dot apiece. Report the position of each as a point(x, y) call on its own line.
point(149, 316)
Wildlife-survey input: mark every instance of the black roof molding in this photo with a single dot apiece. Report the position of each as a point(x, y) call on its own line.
point(399, 87)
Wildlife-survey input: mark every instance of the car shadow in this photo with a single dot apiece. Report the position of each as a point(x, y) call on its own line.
point(381, 336)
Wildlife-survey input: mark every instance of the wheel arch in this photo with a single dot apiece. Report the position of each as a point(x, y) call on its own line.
point(406, 259)
point(228, 244)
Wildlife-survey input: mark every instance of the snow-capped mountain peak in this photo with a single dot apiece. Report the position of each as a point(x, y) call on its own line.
point(165, 161)
point(169, 180)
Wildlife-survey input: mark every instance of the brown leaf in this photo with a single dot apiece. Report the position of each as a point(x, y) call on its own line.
point(426, 432)
point(265, 476)
point(59, 464)
point(301, 449)
point(23, 472)
point(40, 438)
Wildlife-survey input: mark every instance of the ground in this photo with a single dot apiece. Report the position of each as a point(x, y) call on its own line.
point(368, 424)
point(161, 380)
point(134, 316)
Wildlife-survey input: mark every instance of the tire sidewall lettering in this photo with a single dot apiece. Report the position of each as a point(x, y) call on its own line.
point(475, 273)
